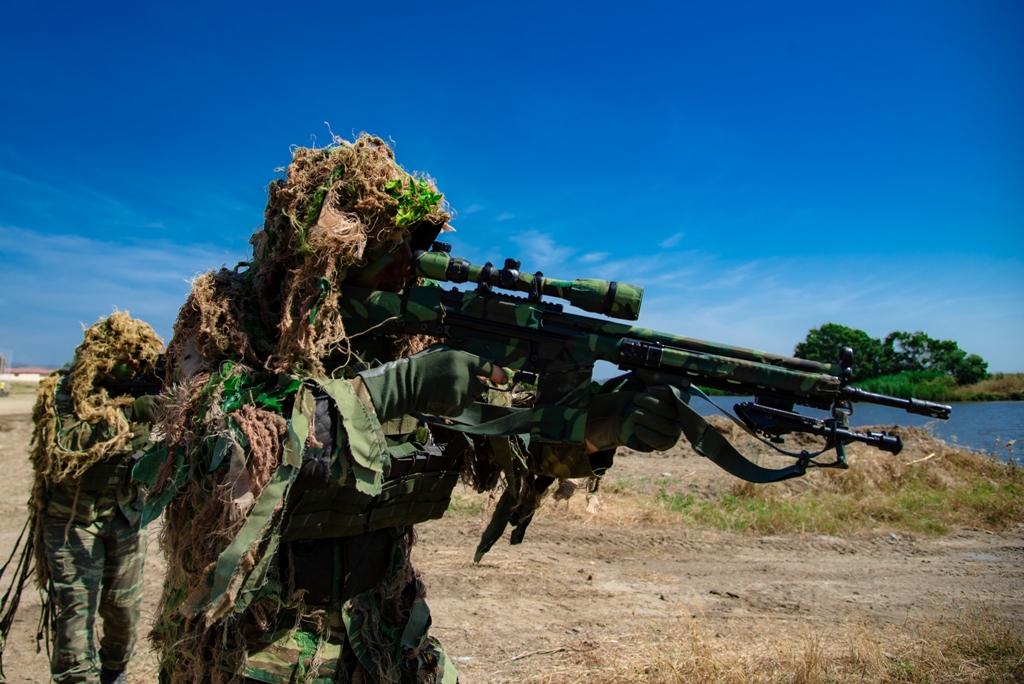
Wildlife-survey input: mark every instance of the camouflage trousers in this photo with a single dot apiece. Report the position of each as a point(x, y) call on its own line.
point(95, 569)
point(298, 657)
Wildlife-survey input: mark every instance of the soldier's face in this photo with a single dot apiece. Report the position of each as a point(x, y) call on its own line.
point(389, 273)
point(126, 369)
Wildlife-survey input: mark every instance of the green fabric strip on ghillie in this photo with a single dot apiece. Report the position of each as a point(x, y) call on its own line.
point(241, 339)
point(377, 621)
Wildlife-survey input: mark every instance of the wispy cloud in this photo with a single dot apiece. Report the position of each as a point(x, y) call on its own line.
point(504, 216)
point(542, 249)
point(771, 303)
point(671, 241)
point(103, 206)
point(51, 284)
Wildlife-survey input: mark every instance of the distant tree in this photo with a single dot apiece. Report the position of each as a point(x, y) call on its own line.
point(899, 352)
point(824, 344)
point(917, 351)
point(971, 369)
point(902, 352)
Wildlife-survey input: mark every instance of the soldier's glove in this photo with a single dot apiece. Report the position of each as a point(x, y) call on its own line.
point(144, 409)
point(438, 381)
point(641, 420)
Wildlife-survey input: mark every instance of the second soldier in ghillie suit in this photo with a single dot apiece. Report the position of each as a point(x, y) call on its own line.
point(292, 470)
point(90, 550)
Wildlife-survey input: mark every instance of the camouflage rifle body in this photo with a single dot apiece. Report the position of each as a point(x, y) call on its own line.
point(557, 351)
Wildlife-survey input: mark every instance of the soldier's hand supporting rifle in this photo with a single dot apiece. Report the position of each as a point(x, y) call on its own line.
point(644, 420)
point(438, 381)
point(445, 382)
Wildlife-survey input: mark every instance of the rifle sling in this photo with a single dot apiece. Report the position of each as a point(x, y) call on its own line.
point(486, 420)
point(712, 444)
point(492, 421)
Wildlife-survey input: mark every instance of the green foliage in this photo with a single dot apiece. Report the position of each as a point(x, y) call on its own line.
point(899, 353)
point(934, 385)
point(971, 369)
point(824, 344)
point(244, 389)
point(416, 202)
point(931, 385)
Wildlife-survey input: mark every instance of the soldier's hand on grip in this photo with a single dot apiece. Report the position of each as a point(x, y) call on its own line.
point(438, 381)
point(145, 408)
point(643, 421)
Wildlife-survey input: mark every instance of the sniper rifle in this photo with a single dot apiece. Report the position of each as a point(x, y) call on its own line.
point(556, 351)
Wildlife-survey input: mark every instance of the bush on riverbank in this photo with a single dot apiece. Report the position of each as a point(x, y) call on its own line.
point(996, 387)
point(936, 386)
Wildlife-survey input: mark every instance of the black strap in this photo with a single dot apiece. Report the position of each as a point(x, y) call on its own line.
point(489, 420)
point(486, 420)
point(712, 444)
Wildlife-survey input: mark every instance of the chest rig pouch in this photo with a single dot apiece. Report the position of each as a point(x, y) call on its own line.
point(418, 479)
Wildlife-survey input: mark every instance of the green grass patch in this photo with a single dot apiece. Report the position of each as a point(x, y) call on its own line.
point(466, 504)
point(955, 491)
point(22, 388)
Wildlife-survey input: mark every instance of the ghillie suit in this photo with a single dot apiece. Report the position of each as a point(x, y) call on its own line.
point(288, 505)
point(273, 470)
point(85, 508)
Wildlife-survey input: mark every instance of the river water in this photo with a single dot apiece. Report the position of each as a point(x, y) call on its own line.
point(980, 426)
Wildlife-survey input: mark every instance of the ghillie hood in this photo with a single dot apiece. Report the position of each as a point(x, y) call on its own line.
point(337, 208)
point(115, 347)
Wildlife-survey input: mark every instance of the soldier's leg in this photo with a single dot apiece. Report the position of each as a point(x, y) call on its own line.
point(121, 599)
point(76, 570)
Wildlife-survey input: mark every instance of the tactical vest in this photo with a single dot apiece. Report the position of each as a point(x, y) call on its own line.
point(418, 483)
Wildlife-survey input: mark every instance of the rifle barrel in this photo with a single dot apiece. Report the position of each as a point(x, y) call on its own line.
point(917, 406)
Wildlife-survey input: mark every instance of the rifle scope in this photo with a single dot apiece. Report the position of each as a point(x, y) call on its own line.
point(618, 300)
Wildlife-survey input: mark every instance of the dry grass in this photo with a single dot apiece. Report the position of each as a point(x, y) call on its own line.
point(974, 647)
point(999, 382)
point(930, 488)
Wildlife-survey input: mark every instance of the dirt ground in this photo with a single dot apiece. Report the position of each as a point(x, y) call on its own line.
point(596, 582)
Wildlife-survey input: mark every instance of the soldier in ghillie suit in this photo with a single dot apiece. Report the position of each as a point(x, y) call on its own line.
point(87, 510)
point(292, 469)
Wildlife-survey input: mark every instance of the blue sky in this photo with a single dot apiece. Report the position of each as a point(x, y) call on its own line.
point(761, 168)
